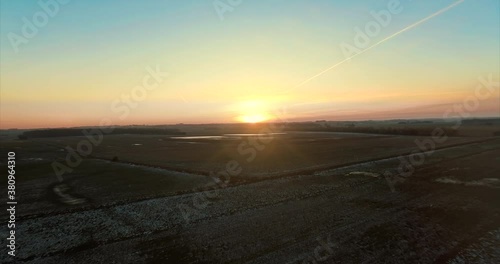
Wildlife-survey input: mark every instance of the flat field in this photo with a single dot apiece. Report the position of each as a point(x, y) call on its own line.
point(307, 196)
point(262, 156)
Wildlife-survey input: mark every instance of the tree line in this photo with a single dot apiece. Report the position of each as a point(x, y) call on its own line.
point(69, 132)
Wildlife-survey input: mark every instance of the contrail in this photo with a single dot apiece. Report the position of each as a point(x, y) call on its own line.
point(383, 40)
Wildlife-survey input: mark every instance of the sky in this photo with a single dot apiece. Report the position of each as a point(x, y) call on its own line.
point(70, 63)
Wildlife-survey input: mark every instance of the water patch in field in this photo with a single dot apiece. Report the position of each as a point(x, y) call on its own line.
point(253, 135)
point(487, 182)
point(228, 136)
point(200, 137)
point(364, 173)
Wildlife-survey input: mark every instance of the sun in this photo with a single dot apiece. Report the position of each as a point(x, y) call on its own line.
point(253, 111)
point(253, 118)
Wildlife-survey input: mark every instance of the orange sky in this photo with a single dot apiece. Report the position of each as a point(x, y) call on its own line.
point(83, 65)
